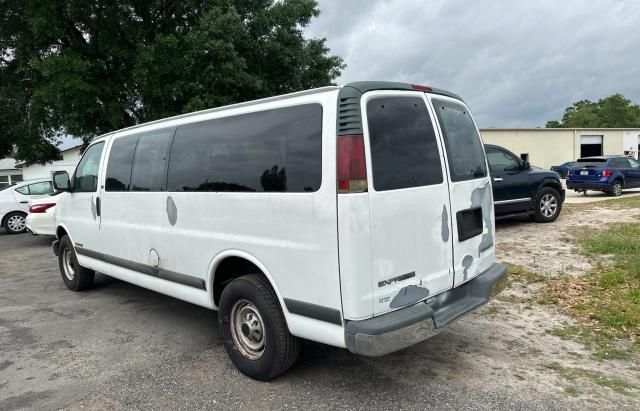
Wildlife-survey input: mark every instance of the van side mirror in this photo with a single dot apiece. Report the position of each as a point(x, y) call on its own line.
point(61, 181)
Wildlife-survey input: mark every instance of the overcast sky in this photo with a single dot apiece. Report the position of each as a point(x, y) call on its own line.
point(515, 63)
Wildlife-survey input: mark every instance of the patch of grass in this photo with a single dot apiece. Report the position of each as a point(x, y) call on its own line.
point(608, 297)
point(571, 374)
point(519, 274)
point(572, 391)
point(602, 343)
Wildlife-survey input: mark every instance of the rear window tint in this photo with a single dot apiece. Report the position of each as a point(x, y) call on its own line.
point(464, 148)
point(277, 150)
point(590, 162)
point(404, 151)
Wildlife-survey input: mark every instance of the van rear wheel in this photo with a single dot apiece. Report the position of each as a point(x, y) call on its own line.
point(75, 277)
point(254, 330)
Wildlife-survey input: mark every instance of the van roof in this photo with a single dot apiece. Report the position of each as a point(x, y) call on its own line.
point(349, 119)
point(359, 87)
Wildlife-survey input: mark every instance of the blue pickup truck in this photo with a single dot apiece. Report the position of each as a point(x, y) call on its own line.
point(610, 174)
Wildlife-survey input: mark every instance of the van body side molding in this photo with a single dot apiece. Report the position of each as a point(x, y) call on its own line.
point(317, 312)
point(145, 269)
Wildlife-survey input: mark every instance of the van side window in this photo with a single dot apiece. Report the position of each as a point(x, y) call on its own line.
point(120, 163)
point(404, 151)
point(277, 150)
point(149, 163)
point(86, 175)
point(464, 148)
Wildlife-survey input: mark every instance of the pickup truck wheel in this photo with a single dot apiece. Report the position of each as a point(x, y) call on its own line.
point(547, 205)
point(15, 223)
point(75, 277)
point(254, 330)
point(616, 190)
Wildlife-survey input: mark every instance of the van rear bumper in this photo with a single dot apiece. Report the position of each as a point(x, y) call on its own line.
point(410, 325)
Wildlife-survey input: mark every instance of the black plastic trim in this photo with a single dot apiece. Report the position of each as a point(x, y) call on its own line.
point(469, 223)
point(317, 312)
point(145, 269)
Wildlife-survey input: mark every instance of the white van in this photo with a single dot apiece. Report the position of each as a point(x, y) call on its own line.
point(358, 216)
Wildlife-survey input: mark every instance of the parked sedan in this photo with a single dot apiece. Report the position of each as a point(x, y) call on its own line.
point(519, 189)
point(14, 203)
point(610, 174)
point(563, 168)
point(40, 220)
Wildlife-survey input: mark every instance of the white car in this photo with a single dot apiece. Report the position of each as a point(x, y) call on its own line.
point(40, 220)
point(14, 202)
point(358, 216)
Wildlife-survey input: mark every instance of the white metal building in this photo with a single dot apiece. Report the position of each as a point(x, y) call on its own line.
point(553, 146)
point(70, 158)
point(9, 174)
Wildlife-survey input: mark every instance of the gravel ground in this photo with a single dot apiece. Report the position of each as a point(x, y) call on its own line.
point(120, 346)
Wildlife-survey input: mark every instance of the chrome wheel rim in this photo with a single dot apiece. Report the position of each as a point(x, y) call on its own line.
point(16, 223)
point(247, 329)
point(548, 205)
point(617, 189)
point(67, 264)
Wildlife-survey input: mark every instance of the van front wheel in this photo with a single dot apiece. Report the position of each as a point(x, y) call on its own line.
point(254, 330)
point(75, 277)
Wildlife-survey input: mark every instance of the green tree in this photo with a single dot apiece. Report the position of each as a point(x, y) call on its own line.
point(609, 112)
point(86, 68)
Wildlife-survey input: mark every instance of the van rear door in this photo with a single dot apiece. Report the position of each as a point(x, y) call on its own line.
point(411, 248)
point(470, 187)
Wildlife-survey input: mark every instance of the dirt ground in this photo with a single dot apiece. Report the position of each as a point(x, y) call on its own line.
point(122, 347)
point(546, 362)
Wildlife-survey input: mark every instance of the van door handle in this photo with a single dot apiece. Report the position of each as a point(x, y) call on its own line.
point(98, 206)
point(497, 179)
point(24, 202)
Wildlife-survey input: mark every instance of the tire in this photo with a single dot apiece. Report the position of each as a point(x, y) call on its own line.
point(254, 329)
point(75, 277)
point(15, 223)
point(547, 205)
point(616, 189)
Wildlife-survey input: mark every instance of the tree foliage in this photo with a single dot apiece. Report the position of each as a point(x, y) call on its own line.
point(88, 67)
point(609, 112)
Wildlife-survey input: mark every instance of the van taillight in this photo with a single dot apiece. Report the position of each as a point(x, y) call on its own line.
point(40, 208)
point(606, 173)
point(352, 165)
point(421, 88)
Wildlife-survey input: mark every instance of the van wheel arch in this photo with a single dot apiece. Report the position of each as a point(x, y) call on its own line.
point(60, 232)
point(229, 269)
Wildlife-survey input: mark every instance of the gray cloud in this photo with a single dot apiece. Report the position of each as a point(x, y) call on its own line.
point(517, 64)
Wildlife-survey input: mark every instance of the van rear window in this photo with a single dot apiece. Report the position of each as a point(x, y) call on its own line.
point(464, 148)
point(404, 151)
